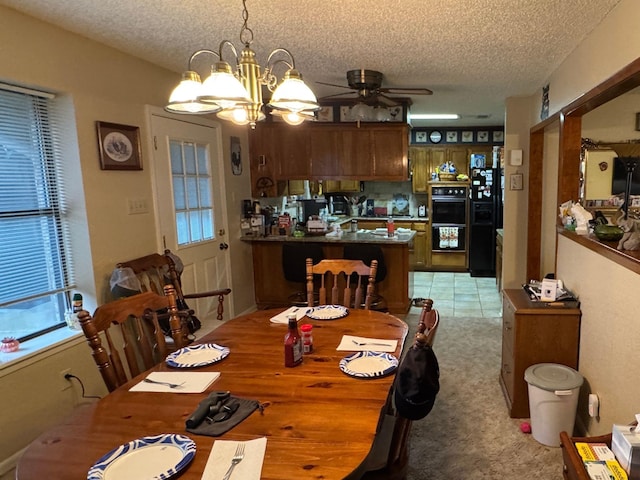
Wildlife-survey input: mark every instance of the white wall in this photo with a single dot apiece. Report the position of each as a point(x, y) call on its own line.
point(106, 85)
point(608, 292)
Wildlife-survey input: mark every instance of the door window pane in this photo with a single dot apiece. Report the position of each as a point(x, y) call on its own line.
point(192, 192)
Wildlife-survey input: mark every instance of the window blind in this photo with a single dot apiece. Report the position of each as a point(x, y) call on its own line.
point(35, 265)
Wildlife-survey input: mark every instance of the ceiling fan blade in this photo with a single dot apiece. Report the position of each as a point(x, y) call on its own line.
point(407, 91)
point(386, 101)
point(334, 85)
point(329, 97)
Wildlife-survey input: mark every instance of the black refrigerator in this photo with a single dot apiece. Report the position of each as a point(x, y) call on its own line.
point(485, 216)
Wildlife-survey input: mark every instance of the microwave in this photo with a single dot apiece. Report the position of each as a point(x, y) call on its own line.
point(309, 208)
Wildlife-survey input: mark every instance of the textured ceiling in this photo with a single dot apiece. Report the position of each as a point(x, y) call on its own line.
point(472, 53)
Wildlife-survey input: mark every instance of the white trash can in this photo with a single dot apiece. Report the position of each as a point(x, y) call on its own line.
point(553, 399)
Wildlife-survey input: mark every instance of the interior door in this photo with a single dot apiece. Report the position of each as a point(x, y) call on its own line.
point(191, 214)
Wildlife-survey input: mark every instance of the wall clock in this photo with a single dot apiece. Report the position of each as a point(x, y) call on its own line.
point(435, 136)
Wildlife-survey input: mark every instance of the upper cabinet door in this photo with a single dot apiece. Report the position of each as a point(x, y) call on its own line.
point(324, 152)
point(390, 147)
point(294, 152)
point(355, 158)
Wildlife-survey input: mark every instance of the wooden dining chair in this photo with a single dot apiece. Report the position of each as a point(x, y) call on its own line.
point(154, 271)
point(336, 276)
point(139, 337)
point(398, 427)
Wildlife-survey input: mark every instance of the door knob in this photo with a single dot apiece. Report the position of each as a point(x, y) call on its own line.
point(223, 246)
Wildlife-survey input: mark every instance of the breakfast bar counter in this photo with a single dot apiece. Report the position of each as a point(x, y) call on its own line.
point(272, 289)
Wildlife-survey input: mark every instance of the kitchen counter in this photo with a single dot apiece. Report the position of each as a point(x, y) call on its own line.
point(362, 236)
point(272, 289)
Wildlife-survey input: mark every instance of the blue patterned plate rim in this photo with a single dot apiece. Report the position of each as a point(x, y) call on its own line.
point(391, 364)
point(217, 352)
point(328, 312)
point(187, 447)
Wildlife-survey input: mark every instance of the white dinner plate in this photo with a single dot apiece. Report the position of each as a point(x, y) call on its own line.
point(368, 364)
point(328, 312)
point(197, 355)
point(155, 457)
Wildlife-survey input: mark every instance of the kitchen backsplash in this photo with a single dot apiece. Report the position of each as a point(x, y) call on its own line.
point(403, 200)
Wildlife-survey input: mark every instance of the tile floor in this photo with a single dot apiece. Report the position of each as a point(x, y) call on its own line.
point(459, 294)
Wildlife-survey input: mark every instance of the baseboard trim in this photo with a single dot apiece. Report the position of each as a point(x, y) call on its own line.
point(10, 463)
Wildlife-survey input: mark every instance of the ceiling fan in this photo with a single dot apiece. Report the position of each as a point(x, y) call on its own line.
point(368, 85)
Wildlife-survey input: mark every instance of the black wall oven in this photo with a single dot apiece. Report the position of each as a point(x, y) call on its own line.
point(449, 211)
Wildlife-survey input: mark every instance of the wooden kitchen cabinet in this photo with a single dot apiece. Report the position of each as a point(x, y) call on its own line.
point(390, 152)
point(343, 152)
point(425, 160)
point(341, 186)
point(420, 169)
point(533, 333)
point(421, 259)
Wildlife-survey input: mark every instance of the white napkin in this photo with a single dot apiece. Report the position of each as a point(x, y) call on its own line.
point(192, 382)
point(282, 317)
point(348, 343)
point(219, 461)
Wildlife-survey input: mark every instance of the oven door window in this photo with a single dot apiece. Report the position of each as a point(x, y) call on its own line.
point(449, 211)
point(448, 238)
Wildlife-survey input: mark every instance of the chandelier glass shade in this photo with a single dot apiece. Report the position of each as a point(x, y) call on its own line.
point(237, 96)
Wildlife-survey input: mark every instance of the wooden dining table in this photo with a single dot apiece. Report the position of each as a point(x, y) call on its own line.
point(320, 423)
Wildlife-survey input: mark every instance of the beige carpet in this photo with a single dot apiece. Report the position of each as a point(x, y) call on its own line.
point(468, 435)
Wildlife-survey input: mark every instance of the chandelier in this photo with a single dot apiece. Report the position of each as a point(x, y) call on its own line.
point(237, 96)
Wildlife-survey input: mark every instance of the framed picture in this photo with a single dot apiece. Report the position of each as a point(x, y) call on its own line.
point(498, 136)
point(236, 156)
point(467, 136)
point(483, 136)
point(638, 122)
point(452, 136)
point(119, 146)
point(345, 113)
point(325, 114)
point(421, 137)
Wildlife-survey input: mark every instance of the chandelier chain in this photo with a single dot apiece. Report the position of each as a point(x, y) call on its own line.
point(246, 34)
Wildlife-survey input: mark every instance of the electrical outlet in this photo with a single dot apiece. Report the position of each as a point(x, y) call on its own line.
point(64, 382)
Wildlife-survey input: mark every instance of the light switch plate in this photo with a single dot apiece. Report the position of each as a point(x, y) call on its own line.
point(515, 158)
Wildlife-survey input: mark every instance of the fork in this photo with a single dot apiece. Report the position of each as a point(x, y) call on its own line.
point(237, 458)
point(362, 344)
point(170, 385)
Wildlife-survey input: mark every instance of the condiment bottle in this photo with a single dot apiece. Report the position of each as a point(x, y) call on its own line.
point(307, 338)
point(77, 303)
point(292, 344)
point(390, 227)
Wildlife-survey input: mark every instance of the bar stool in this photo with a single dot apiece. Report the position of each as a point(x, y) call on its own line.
point(294, 266)
point(367, 253)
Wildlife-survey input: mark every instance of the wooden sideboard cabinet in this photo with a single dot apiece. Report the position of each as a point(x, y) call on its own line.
point(573, 467)
point(533, 333)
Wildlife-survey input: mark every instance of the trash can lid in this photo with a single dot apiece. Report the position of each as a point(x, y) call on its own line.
point(552, 376)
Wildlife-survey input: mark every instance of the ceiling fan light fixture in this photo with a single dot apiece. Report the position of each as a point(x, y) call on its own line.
point(183, 98)
point(434, 116)
point(360, 111)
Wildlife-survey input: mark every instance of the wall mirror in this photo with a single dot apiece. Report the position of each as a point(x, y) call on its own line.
point(609, 131)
